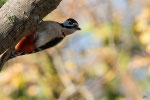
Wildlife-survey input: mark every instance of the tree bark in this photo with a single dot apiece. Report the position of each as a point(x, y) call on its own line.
point(19, 17)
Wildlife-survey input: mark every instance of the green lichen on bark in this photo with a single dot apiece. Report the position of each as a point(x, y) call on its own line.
point(11, 18)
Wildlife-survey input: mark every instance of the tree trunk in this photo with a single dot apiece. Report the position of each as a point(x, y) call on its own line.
point(19, 17)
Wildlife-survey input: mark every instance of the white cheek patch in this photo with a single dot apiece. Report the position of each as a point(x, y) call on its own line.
point(66, 23)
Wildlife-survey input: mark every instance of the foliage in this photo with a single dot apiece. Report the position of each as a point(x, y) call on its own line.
point(2, 2)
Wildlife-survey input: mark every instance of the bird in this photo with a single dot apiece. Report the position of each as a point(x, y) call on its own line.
point(47, 34)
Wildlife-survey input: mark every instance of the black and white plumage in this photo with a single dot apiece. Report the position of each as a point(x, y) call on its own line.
point(48, 34)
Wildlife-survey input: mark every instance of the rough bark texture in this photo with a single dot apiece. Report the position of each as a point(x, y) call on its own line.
point(19, 17)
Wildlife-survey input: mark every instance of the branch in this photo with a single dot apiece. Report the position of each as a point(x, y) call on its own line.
point(19, 17)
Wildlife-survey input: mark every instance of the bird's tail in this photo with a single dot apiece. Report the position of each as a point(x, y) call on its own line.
point(7, 55)
point(13, 55)
point(4, 58)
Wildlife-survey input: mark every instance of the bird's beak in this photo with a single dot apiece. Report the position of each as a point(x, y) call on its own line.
point(78, 28)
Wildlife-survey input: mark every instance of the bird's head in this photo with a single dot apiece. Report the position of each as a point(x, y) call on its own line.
point(70, 26)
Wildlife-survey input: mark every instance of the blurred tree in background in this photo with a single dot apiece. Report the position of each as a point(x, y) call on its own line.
point(108, 60)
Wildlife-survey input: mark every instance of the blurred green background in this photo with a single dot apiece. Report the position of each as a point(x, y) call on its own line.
point(108, 60)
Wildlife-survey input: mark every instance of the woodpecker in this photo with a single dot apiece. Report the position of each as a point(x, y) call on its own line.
point(48, 34)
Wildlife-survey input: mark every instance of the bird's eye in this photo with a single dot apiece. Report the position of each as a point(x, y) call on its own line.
point(70, 23)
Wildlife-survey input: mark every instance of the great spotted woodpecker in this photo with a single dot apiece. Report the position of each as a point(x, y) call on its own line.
point(48, 34)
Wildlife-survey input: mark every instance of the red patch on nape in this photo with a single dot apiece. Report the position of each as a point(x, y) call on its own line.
point(26, 44)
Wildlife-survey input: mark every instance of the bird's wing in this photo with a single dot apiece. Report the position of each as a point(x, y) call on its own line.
point(49, 44)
